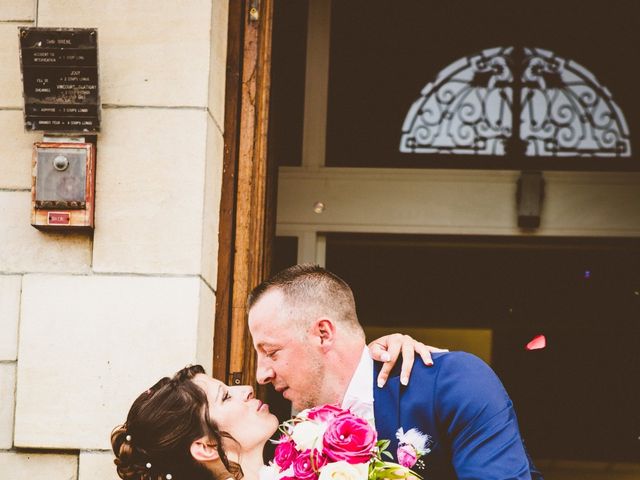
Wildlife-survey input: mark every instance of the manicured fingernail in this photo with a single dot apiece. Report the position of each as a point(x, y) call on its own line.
point(380, 383)
point(404, 380)
point(385, 356)
point(429, 364)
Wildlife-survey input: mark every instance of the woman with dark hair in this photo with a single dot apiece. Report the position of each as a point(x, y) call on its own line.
point(193, 427)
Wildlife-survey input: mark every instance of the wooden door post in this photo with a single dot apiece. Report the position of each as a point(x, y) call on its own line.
point(244, 235)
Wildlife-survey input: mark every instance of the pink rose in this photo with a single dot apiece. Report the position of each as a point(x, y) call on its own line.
point(407, 456)
point(349, 438)
point(285, 453)
point(307, 464)
point(326, 413)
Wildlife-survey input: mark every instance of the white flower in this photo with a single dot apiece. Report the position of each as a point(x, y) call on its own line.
point(343, 470)
point(303, 414)
point(308, 435)
point(415, 438)
point(269, 472)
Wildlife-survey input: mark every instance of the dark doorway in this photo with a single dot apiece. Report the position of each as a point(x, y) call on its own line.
point(578, 397)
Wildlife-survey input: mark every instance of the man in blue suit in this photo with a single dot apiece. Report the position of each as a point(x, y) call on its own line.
point(311, 347)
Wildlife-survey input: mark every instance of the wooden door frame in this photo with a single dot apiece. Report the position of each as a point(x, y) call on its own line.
point(247, 205)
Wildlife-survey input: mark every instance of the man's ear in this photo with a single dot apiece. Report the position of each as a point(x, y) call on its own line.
point(325, 330)
point(204, 450)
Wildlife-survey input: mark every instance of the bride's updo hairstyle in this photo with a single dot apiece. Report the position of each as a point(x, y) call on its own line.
point(163, 422)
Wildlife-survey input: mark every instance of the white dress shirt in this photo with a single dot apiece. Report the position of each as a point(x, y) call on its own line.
point(359, 395)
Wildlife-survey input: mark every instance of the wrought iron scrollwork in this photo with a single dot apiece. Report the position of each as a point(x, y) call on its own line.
point(516, 101)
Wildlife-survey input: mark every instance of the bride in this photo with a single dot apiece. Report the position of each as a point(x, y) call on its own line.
point(194, 427)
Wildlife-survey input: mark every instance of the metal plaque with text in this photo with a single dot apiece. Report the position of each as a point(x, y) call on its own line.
point(60, 79)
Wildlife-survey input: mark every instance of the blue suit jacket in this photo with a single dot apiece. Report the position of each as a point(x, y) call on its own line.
point(461, 404)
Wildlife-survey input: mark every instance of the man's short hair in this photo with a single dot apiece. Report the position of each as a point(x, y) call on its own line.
point(313, 289)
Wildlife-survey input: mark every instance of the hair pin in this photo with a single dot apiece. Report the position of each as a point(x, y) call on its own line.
point(168, 476)
point(128, 438)
point(148, 465)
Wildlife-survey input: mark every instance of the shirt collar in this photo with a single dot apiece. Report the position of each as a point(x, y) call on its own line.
point(359, 395)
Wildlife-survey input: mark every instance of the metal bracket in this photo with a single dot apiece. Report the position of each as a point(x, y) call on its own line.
point(529, 199)
point(254, 8)
point(236, 378)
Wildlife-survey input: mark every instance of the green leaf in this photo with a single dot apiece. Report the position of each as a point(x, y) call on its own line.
point(383, 444)
point(391, 471)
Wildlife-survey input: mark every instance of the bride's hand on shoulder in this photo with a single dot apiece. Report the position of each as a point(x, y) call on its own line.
point(387, 349)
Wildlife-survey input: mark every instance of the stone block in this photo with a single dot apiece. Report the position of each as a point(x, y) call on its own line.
point(149, 191)
point(7, 394)
point(15, 150)
point(152, 52)
point(10, 78)
point(25, 249)
point(206, 322)
point(89, 353)
point(218, 59)
point(17, 10)
point(212, 192)
point(97, 466)
point(9, 313)
point(38, 466)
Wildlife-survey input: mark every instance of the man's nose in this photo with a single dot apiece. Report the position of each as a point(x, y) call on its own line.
point(264, 374)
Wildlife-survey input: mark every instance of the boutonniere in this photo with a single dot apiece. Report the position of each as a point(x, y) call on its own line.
point(412, 445)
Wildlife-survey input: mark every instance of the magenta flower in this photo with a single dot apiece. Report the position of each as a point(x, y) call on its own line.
point(285, 453)
point(407, 456)
point(307, 464)
point(349, 438)
point(326, 413)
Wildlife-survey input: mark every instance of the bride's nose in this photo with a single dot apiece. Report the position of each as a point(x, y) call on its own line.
point(248, 394)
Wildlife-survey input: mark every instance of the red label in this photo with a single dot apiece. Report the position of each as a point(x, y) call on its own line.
point(59, 218)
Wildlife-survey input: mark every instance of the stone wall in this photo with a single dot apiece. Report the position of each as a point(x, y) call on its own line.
point(88, 322)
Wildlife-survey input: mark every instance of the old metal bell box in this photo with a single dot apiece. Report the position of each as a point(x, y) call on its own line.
point(62, 191)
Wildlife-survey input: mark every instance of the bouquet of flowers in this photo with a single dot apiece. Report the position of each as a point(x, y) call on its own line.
point(330, 443)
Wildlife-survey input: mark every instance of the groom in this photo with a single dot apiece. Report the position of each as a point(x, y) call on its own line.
point(311, 347)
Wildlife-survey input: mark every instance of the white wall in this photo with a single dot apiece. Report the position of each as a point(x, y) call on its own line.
point(87, 323)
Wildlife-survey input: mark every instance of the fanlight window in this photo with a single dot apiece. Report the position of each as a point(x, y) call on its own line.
point(560, 107)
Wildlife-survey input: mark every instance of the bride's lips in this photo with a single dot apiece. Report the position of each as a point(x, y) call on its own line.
point(262, 406)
